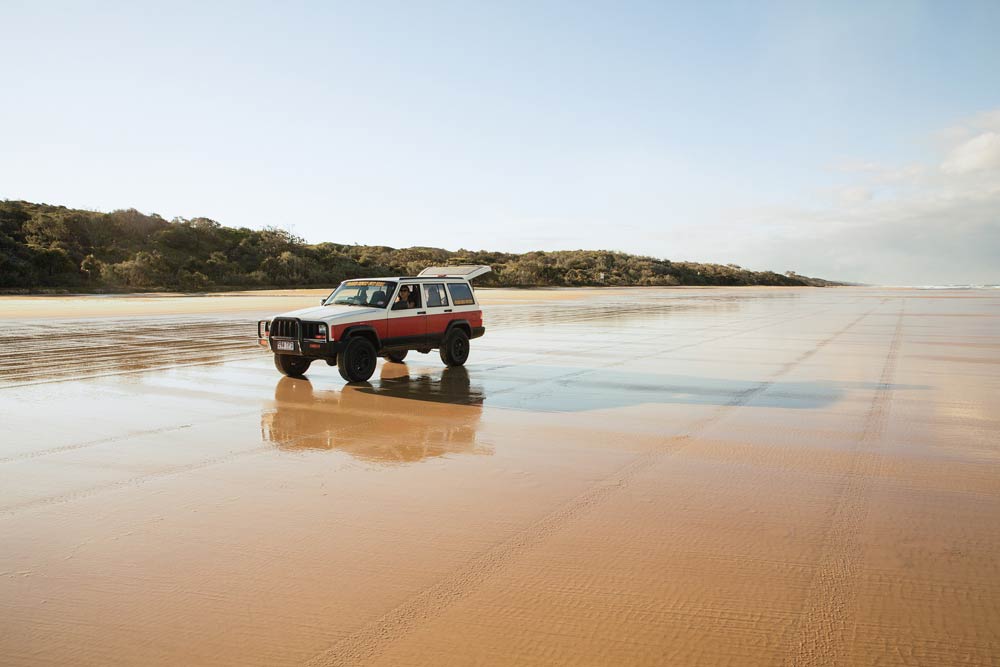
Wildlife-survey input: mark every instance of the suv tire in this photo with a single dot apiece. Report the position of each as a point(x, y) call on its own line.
point(396, 357)
point(455, 347)
point(290, 365)
point(356, 362)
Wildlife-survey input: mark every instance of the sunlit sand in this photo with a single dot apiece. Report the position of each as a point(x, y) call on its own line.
point(653, 476)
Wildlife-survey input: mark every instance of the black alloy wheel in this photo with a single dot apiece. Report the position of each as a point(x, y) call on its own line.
point(455, 348)
point(357, 361)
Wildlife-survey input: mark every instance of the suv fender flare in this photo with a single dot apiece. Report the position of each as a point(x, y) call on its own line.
point(366, 330)
point(462, 324)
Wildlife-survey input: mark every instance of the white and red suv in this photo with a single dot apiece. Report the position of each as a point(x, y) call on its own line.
point(364, 319)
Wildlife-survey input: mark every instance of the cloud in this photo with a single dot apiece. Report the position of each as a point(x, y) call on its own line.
point(856, 194)
point(936, 222)
point(977, 154)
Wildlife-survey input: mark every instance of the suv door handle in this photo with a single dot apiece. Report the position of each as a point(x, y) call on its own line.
point(447, 310)
point(421, 312)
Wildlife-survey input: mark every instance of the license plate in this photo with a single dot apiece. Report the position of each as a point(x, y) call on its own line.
point(285, 345)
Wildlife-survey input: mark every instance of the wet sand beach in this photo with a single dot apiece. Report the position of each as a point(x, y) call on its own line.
point(745, 476)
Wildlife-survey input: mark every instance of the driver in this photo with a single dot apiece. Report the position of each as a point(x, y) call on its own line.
point(403, 299)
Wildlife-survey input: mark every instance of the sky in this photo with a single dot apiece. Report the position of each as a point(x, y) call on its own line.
point(849, 140)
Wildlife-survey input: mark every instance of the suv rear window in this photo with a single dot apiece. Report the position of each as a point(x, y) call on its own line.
point(436, 296)
point(461, 294)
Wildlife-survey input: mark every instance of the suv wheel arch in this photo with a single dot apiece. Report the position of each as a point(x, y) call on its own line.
point(365, 330)
point(462, 324)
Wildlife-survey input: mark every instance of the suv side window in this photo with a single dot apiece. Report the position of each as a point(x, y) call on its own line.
point(461, 294)
point(436, 296)
point(411, 301)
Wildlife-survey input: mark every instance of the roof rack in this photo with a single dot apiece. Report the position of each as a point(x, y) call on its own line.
point(467, 271)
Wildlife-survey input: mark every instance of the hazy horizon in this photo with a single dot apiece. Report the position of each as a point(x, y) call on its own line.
point(849, 142)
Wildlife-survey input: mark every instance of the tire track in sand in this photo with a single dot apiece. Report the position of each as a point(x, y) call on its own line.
point(820, 634)
point(370, 640)
point(33, 353)
point(112, 439)
point(171, 471)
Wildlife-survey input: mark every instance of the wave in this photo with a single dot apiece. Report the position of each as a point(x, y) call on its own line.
point(956, 286)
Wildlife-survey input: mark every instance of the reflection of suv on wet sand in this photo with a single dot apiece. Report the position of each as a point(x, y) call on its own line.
point(434, 414)
point(364, 319)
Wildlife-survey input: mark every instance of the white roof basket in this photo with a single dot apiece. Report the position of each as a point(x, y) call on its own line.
point(467, 271)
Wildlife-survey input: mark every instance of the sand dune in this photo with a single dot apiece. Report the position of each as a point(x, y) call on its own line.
point(656, 476)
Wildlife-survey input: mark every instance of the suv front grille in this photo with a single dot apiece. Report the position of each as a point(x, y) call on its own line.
point(288, 328)
point(281, 328)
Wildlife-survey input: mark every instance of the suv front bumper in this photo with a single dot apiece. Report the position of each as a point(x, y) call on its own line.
point(319, 349)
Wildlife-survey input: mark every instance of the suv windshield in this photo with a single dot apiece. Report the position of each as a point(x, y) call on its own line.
point(374, 293)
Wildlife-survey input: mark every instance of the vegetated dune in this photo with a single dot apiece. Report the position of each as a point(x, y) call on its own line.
point(43, 246)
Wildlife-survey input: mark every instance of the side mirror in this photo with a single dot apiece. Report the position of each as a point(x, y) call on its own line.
point(322, 301)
